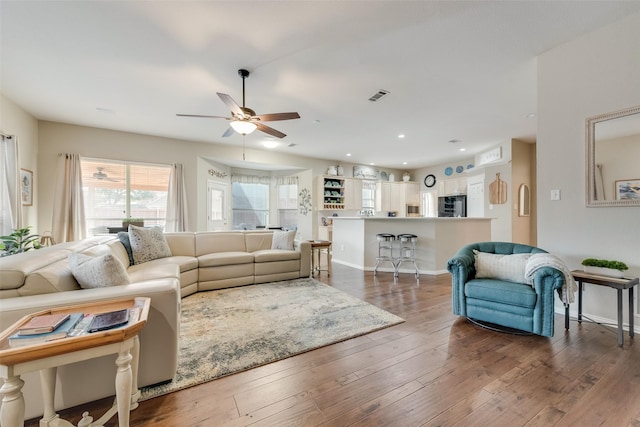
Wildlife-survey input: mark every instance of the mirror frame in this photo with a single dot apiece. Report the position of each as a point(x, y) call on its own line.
point(591, 151)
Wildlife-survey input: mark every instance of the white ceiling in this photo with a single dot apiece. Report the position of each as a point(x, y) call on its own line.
point(454, 70)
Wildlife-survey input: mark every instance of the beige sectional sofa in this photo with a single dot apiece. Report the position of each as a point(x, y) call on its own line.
point(199, 261)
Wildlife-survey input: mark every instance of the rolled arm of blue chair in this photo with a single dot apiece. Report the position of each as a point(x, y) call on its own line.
point(546, 282)
point(462, 268)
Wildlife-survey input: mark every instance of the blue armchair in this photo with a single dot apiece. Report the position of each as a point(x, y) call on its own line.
point(521, 306)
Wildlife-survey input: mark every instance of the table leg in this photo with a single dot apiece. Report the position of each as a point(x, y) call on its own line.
point(124, 380)
point(631, 313)
point(620, 331)
point(579, 301)
point(48, 385)
point(12, 410)
point(566, 316)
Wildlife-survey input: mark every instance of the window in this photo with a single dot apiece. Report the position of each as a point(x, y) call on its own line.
point(250, 205)
point(114, 191)
point(288, 206)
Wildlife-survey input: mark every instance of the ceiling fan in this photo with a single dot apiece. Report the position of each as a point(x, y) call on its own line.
point(101, 176)
point(243, 119)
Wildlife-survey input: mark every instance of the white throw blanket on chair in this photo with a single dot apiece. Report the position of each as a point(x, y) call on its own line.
point(538, 261)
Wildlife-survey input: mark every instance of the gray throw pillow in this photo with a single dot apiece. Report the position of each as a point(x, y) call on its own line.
point(283, 240)
point(123, 236)
point(147, 244)
point(97, 272)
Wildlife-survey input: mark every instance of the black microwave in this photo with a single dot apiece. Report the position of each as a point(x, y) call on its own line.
point(452, 206)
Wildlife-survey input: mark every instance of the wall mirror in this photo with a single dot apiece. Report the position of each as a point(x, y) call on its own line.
point(613, 150)
point(524, 200)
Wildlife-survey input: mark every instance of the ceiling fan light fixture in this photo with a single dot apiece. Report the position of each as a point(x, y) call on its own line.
point(243, 127)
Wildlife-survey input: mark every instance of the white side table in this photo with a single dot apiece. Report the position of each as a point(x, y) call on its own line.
point(46, 357)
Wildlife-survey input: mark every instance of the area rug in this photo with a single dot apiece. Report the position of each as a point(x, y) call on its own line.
point(231, 330)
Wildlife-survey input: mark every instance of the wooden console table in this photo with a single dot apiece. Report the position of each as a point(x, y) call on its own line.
point(617, 283)
point(46, 357)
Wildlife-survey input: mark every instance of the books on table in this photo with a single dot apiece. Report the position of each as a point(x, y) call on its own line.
point(43, 324)
point(17, 339)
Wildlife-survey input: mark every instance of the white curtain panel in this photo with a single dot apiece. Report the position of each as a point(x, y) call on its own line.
point(10, 202)
point(68, 204)
point(176, 201)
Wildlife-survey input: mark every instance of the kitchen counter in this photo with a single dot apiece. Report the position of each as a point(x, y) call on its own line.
point(355, 244)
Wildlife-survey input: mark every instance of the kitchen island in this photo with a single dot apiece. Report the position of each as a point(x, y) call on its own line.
point(355, 244)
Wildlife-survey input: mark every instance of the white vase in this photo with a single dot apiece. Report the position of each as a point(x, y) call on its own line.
point(340, 170)
point(601, 271)
point(332, 171)
point(392, 177)
point(406, 178)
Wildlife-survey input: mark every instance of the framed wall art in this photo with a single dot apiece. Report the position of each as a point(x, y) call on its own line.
point(26, 187)
point(628, 189)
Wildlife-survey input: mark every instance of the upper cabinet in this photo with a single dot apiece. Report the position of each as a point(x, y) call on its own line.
point(394, 196)
point(452, 186)
point(331, 192)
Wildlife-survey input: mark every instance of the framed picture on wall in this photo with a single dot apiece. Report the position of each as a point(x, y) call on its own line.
point(628, 189)
point(26, 187)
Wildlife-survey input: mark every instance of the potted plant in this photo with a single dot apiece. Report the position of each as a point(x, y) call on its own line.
point(138, 222)
point(604, 267)
point(20, 240)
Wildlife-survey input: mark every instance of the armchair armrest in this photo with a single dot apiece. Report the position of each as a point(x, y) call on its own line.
point(462, 268)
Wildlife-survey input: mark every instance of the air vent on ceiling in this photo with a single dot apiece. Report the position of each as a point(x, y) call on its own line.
point(379, 94)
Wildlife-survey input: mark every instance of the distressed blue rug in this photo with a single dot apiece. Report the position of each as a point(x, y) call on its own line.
point(231, 330)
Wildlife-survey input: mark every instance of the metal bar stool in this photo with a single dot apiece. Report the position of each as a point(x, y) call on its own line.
point(407, 252)
point(385, 250)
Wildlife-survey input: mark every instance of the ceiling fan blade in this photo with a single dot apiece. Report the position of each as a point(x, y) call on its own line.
point(271, 131)
point(229, 102)
point(228, 132)
point(204, 116)
point(277, 116)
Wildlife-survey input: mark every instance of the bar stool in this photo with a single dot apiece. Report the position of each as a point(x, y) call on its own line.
point(385, 250)
point(407, 252)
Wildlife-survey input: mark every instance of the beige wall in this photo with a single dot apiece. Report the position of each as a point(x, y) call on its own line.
point(521, 172)
point(591, 75)
point(15, 121)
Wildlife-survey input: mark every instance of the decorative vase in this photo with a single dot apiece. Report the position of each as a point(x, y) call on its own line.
point(406, 177)
point(340, 170)
point(332, 171)
point(602, 271)
point(392, 177)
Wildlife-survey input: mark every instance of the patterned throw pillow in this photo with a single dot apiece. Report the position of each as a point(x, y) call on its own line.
point(147, 244)
point(283, 240)
point(97, 272)
point(501, 267)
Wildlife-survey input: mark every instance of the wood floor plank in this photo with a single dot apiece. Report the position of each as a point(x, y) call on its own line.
point(436, 369)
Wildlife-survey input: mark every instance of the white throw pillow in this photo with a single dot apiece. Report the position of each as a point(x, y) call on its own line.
point(147, 244)
point(97, 272)
point(283, 240)
point(502, 267)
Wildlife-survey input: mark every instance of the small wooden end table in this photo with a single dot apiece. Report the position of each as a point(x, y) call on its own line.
point(613, 282)
point(317, 247)
point(47, 356)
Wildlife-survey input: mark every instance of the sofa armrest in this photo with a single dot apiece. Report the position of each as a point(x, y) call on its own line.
point(462, 269)
point(304, 246)
point(546, 282)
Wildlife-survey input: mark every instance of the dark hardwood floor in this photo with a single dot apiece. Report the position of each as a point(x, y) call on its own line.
point(433, 370)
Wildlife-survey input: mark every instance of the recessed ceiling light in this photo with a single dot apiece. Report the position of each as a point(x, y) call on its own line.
point(402, 135)
point(404, 163)
point(371, 164)
point(463, 149)
point(270, 144)
point(348, 154)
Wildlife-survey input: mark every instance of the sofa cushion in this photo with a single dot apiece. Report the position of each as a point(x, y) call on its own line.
point(97, 272)
point(225, 258)
point(500, 291)
point(123, 236)
point(271, 255)
point(283, 240)
point(502, 267)
point(147, 244)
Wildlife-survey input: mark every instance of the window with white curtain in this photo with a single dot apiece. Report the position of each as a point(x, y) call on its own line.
point(114, 191)
point(10, 202)
point(288, 206)
point(250, 201)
